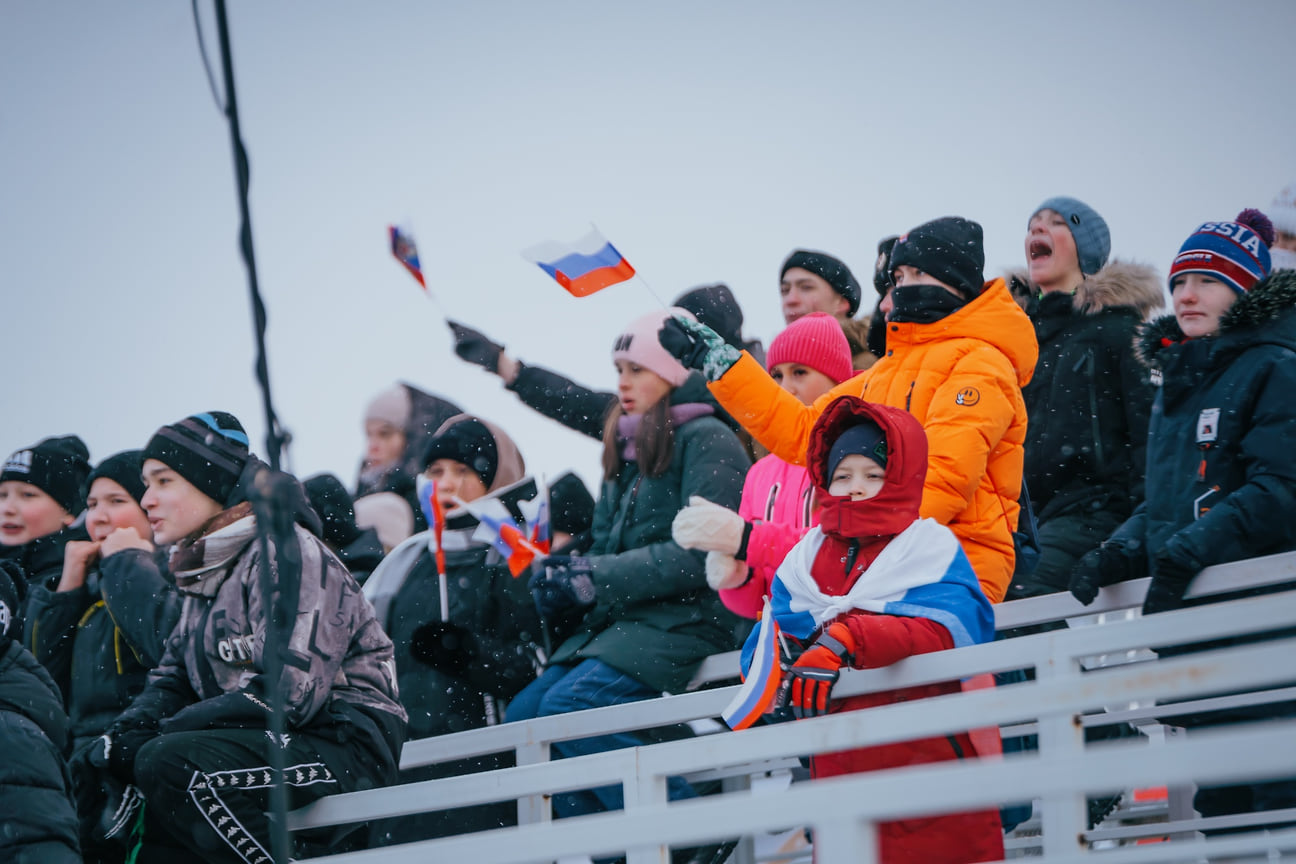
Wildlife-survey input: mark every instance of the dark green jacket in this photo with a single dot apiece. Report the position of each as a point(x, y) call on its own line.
point(655, 618)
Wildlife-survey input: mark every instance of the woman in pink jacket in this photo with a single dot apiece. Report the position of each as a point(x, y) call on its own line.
point(807, 359)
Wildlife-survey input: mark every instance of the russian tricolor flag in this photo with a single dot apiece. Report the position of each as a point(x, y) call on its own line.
point(536, 513)
point(404, 250)
point(756, 695)
point(496, 527)
point(588, 265)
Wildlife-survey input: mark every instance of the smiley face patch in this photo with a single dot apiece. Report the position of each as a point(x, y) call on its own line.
point(968, 396)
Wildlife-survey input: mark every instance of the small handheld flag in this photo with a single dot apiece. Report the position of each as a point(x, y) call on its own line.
point(588, 265)
point(434, 513)
point(402, 246)
point(496, 526)
point(761, 684)
point(536, 512)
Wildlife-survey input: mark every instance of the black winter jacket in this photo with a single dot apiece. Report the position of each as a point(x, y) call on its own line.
point(1089, 399)
point(36, 804)
point(42, 559)
point(484, 599)
point(1221, 476)
point(100, 640)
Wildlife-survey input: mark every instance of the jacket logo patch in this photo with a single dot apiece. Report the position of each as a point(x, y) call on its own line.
point(236, 650)
point(20, 462)
point(968, 396)
point(1208, 425)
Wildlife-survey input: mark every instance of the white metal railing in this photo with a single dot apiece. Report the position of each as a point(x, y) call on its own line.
point(1059, 775)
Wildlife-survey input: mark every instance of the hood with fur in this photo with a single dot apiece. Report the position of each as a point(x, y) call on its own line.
point(1120, 283)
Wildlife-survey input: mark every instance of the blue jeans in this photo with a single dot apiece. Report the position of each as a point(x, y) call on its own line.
point(589, 684)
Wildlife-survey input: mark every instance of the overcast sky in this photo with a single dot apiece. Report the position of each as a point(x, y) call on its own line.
point(706, 140)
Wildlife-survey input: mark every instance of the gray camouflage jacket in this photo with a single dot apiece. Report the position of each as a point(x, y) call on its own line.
point(336, 650)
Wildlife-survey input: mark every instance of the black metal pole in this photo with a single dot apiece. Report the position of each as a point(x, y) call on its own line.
point(274, 435)
point(271, 495)
point(273, 517)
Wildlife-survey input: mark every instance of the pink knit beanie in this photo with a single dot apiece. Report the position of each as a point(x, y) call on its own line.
point(638, 344)
point(815, 340)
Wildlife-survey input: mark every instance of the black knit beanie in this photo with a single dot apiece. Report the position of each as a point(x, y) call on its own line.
point(125, 469)
point(832, 270)
point(950, 249)
point(209, 450)
point(59, 467)
point(332, 502)
point(882, 281)
point(715, 306)
point(467, 442)
point(865, 438)
point(571, 506)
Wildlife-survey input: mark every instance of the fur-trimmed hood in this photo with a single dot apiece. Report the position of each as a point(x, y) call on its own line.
point(1271, 299)
point(1120, 283)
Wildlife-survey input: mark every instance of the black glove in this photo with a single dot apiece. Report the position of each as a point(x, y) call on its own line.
point(444, 646)
point(562, 584)
point(116, 751)
point(1087, 577)
point(1105, 565)
point(1174, 570)
point(681, 344)
point(473, 346)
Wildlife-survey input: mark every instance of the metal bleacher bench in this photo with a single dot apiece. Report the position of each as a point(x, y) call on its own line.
point(1099, 670)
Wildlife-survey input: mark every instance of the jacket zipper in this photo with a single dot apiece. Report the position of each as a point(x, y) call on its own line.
point(1093, 411)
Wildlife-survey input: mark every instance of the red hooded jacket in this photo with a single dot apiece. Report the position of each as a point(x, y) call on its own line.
point(854, 533)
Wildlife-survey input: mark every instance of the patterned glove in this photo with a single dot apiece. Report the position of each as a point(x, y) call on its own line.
point(697, 346)
point(473, 346)
point(708, 526)
point(561, 584)
point(817, 670)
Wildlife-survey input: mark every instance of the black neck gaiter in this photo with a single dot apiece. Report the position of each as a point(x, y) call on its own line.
point(923, 304)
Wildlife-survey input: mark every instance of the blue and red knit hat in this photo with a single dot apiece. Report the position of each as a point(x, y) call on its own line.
point(1236, 253)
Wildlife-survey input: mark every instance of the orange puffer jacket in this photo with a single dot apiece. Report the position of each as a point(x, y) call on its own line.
point(961, 377)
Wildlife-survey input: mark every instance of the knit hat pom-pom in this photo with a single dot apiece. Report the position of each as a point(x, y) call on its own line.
point(1259, 223)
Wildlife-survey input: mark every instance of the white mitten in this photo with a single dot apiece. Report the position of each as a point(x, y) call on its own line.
point(725, 571)
point(704, 525)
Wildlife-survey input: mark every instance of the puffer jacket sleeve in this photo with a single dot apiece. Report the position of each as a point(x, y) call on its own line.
point(40, 823)
point(773, 416)
point(1256, 515)
point(143, 603)
point(961, 434)
point(558, 398)
point(885, 639)
point(712, 465)
point(52, 618)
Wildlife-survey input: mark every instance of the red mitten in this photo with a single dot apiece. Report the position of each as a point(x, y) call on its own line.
point(817, 670)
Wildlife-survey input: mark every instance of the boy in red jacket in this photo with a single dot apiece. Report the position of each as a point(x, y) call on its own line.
point(870, 585)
